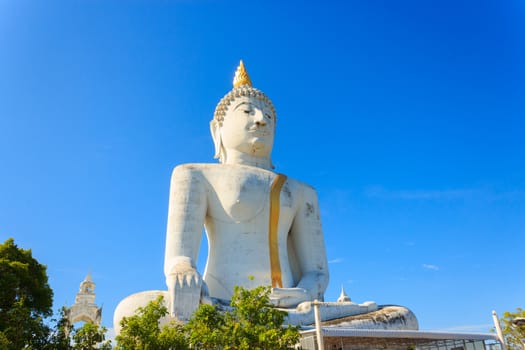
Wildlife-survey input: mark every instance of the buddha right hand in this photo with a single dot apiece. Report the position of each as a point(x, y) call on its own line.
point(184, 288)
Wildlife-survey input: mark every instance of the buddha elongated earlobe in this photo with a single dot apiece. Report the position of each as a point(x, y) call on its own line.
point(215, 129)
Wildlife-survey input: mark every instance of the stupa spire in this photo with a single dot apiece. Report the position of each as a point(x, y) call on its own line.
point(343, 297)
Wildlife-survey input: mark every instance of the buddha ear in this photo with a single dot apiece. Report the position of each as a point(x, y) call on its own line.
point(215, 129)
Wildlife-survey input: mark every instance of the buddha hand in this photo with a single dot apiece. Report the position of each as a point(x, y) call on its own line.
point(184, 288)
point(288, 297)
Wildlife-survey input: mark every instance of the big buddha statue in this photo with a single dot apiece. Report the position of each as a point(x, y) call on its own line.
point(263, 228)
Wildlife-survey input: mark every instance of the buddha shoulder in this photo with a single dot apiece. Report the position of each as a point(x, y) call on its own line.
point(209, 169)
point(206, 172)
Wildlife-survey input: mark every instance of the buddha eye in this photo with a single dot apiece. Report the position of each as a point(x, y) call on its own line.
point(269, 116)
point(247, 111)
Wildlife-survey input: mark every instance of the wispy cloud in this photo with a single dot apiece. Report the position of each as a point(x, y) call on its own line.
point(480, 193)
point(336, 261)
point(381, 192)
point(431, 267)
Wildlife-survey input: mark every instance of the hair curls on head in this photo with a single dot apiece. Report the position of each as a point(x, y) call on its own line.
point(241, 91)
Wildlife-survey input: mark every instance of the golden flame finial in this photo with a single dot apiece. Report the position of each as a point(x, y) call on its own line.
point(241, 76)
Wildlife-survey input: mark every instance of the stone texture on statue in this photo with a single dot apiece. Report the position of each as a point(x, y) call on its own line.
point(390, 317)
point(263, 228)
point(303, 314)
point(84, 309)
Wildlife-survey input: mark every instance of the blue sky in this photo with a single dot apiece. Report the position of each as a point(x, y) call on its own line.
point(406, 116)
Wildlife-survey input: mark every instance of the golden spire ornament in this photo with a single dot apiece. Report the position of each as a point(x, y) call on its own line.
point(241, 76)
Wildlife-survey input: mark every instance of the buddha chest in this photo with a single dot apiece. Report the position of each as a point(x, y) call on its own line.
point(241, 194)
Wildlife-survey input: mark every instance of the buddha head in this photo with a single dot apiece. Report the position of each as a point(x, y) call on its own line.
point(244, 121)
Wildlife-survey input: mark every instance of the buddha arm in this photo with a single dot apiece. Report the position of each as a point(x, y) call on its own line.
point(308, 243)
point(187, 209)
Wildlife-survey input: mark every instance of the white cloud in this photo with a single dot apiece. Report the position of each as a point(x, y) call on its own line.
point(431, 267)
point(336, 261)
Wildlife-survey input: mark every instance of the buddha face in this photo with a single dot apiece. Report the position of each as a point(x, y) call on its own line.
point(248, 127)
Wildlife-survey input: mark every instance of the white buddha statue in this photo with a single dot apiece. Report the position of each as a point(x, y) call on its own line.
point(263, 228)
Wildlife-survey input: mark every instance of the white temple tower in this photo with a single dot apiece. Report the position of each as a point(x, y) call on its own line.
point(85, 308)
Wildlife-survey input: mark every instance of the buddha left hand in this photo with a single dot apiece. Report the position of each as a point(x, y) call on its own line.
point(288, 297)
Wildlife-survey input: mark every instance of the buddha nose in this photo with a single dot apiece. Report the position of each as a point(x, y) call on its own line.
point(259, 118)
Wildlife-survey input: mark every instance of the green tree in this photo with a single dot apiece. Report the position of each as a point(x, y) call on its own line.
point(205, 328)
point(90, 337)
point(513, 328)
point(25, 299)
point(141, 331)
point(251, 323)
point(4, 342)
point(65, 336)
point(59, 338)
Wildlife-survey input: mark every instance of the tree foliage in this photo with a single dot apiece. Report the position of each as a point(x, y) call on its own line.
point(513, 328)
point(59, 338)
point(90, 337)
point(65, 336)
point(25, 299)
point(141, 331)
point(250, 323)
point(205, 329)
